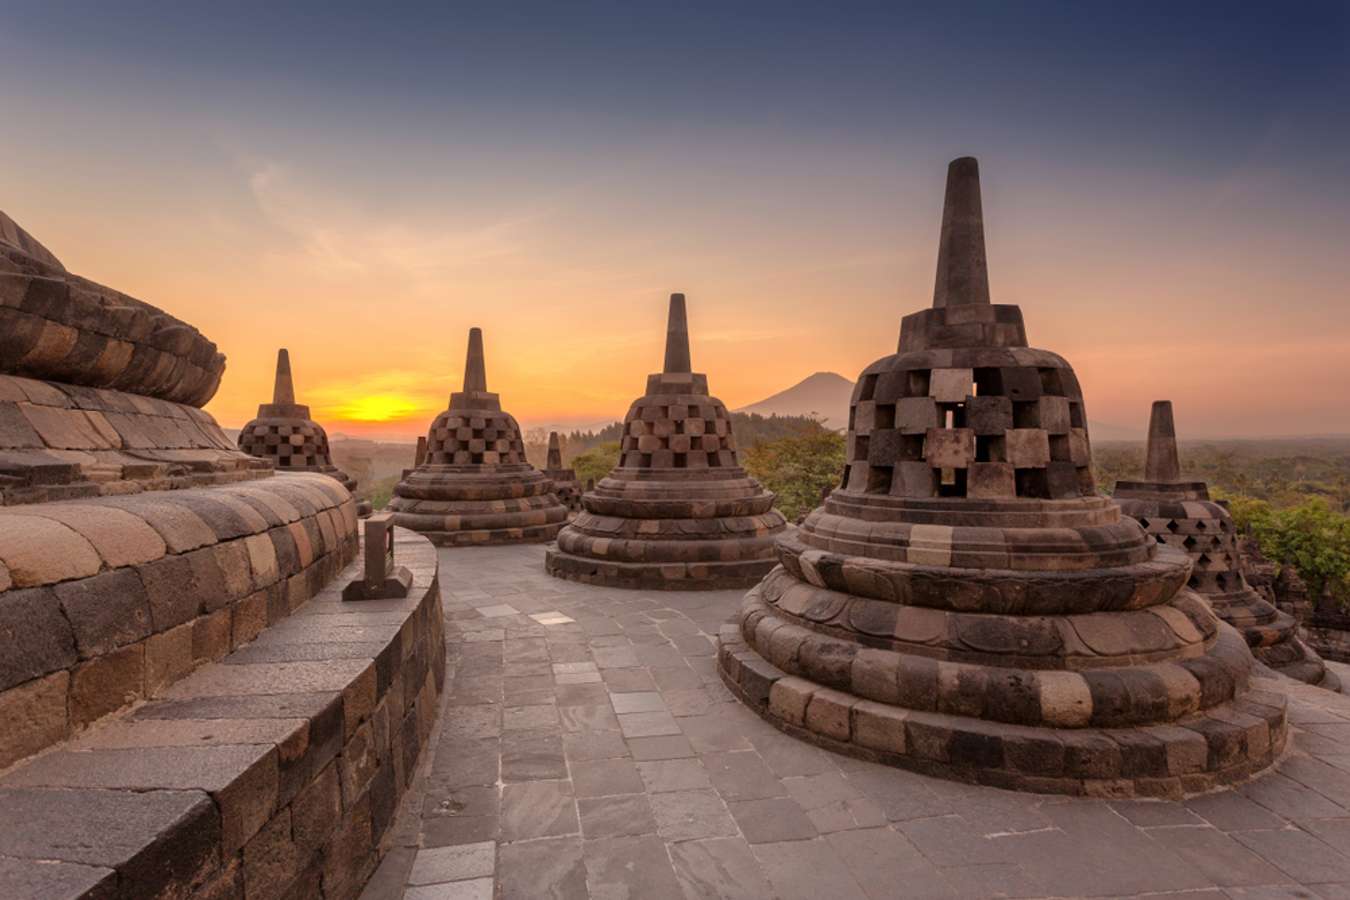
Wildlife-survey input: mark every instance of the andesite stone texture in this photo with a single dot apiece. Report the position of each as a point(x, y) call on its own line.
point(565, 483)
point(100, 393)
point(473, 484)
point(284, 433)
point(678, 511)
point(965, 604)
point(1179, 513)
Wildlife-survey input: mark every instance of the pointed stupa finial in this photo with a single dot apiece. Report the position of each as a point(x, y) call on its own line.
point(475, 369)
point(283, 390)
point(1162, 465)
point(554, 451)
point(677, 337)
point(962, 272)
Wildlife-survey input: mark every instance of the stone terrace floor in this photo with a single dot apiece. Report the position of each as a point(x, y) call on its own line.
point(586, 748)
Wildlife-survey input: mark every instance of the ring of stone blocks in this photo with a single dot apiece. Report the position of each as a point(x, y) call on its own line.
point(1119, 692)
point(1227, 743)
point(670, 529)
point(72, 330)
point(36, 414)
point(1180, 626)
point(447, 506)
point(423, 519)
point(532, 534)
point(136, 590)
point(634, 508)
point(1011, 592)
point(986, 424)
point(987, 552)
point(665, 575)
point(576, 543)
point(433, 485)
point(677, 432)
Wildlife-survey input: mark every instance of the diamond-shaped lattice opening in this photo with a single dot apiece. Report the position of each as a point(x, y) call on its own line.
point(1172, 526)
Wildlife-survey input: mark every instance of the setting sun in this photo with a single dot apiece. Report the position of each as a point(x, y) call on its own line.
point(377, 408)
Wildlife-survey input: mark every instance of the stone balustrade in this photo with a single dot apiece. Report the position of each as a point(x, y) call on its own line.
point(106, 601)
point(272, 772)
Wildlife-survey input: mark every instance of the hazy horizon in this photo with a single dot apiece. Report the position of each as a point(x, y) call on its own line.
point(1166, 193)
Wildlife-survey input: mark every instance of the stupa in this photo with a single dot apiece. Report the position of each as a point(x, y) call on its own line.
point(474, 485)
point(284, 433)
point(1179, 514)
point(966, 605)
point(678, 511)
point(565, 483)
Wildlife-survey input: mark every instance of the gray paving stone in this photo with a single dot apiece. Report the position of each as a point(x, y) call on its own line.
point(605, 777)
point(624, 815)
point(718, 869)
point(477, 889)
point(543, 870)
point(648, 724)
point(771, 820)
point(663, 775)
point(533, 757)
point(668, 747)
point(742, 775)
point(1298, 855)
point(690, 815)
point(809, 870)
point(538, 809)
point(630, 867)
point(454, 863)
point(638, 702)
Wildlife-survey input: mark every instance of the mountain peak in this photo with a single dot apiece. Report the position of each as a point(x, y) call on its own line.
point(824, 395)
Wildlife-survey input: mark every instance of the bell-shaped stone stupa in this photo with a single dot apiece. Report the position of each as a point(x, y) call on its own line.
point(284, 433)
point(678, 511)
point(565, 483)
point(1180, 514)
point(474, 485)
point(965, 604)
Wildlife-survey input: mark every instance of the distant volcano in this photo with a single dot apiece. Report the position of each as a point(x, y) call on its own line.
point(824, 395)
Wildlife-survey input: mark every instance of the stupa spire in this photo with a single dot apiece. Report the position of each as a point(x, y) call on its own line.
point(677, 337)
point(1162, 465)
point(283, 390)
point(554, 451)
point(475, 369)
point(962, 271)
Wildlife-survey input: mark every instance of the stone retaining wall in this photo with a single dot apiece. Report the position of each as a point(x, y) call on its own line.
point(271, 774)
point(107, 601)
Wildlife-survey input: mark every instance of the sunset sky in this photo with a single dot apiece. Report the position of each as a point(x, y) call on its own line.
point(1166, 192)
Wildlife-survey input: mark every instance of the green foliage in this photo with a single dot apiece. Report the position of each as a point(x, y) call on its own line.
point(380, 492)
point(1312, 538)
point(797, 467)
point(596, 462)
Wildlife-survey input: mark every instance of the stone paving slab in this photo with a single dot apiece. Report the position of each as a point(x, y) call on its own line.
point(602, 757)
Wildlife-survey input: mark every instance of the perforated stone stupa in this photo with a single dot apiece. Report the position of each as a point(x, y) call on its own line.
point(966, 605)
point(1179, 514)
point(678, 511)
point(475, 485)
point(284, 433)
point(565, 483)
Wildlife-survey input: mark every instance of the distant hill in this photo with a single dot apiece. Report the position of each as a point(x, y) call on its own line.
point(824, 395)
